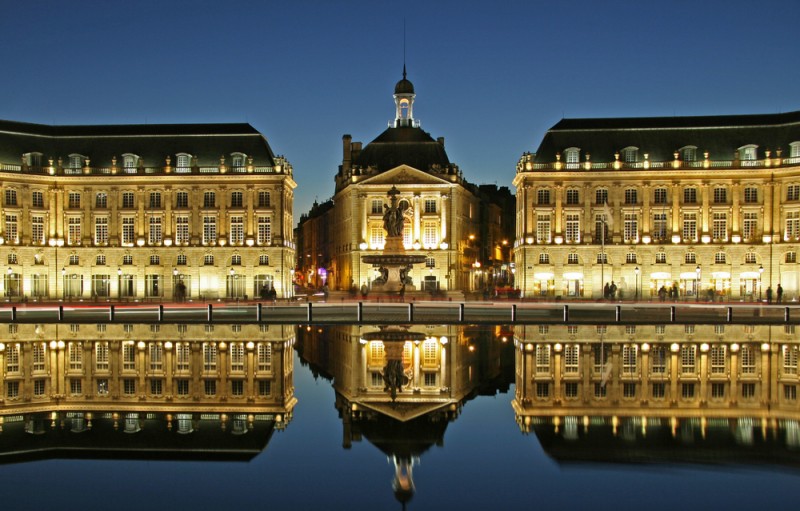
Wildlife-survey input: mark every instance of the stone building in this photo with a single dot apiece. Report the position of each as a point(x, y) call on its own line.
point(706, 206)
point(442, 209)
point(137, 212)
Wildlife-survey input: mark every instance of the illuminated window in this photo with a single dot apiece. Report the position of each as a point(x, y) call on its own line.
point(660, 196)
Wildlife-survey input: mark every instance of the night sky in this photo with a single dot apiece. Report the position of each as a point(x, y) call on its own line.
point(490, 77)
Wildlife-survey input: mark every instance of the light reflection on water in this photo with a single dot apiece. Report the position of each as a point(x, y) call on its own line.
point(433, 416)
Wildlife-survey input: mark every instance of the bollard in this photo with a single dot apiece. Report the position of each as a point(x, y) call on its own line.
point(786, 314)
point(410, 312)
point(617, 313)
point(61, 313)
point(672, 314)
point(566, 313)
point(513, 312)
point(111, 313)
point(360, 312)
point(13, 313)
point(210, 313)
point(730, 314)
point(259, 312)
point(309, 312)
point(461, 312)
point(160, 313)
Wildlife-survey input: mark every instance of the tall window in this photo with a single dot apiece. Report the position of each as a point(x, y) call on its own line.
point(12, 229)
point(543, 196)
point(659, 226)
point(572, 157)
point(573, 197)
point(209, 356)
point(264, 356)
point(792, 225)
point(265, 231)
point(128, 200)
point(156, 234)
point(74, 199)
point(101, 230)
point(155, 199)
point(688, 359)
point(573, 228)
point(748, 359)
point(182, 230)
point(793, 192)
point(789, 355)
point(690, 227)
point(631, 231)
point(37, 199)
point(751, 195)
point(101, 200)
point(264, 201)
point(37, 230)
point(749, 224)
point(542, 358)
point(183, 163)
point(430, 205)
point(718, 359)
point(571, 358)
point(720, 195)
point(630, 155)
point(74, 231)
point(720, 227)
point(101, 356)
point(209, 200)
point(660, 196)
point(182, 200)
point(183, 355)
point(237, 200)
point(544, 258)
point(720, 258)
point(39, 359)
point(11, 197)
point(209, 230)
point(75, 354)
point(629, 359)
point(690, 195)
point(690, 258)
point(661, 258)
point(601, 196)
point(430, 234)
point(658, 359)
point(128, 231)
point(237, 356)
point(543, 228)
point(237, 230)
point(631, 196)
point(156, 356)
point(129, 162)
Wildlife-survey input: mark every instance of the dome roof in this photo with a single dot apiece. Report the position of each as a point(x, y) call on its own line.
point(404, 86)
point(403, 145)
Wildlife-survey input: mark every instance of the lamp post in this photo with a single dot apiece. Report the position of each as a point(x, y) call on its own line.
point(697, 284)
point(760, 273)
point(119, 284)
point(232, 288)
point(636, 292)
point(8, 281)
point(64, 283)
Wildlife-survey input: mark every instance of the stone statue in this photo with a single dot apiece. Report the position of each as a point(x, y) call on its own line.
point(393, 215)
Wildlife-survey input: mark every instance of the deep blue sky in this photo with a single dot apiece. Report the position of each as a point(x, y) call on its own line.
point(490, 77)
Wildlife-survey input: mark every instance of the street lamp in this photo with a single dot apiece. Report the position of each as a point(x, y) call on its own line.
point(8, 281)
point(760, 273)
point(636, 293)
point(119, 283)
point(64, 283)
point(697, 284)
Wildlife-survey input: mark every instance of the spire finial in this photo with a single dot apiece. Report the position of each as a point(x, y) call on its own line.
point(404, 70)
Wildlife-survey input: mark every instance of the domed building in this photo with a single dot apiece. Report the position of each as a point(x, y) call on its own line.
point(442, 210)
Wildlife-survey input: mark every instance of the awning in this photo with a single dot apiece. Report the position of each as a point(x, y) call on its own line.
point(544, 275)
point(749, 275)
point(573, 275)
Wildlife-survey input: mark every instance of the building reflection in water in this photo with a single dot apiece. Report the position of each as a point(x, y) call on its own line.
point(696, 394)
point(144, 391)
point(400, 386)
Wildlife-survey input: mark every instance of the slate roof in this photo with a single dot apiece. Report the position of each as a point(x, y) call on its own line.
point(403, 146)
point(660, 137)
point(151, 142)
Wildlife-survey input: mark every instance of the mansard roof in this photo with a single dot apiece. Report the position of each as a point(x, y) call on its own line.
point(403, 145)
point(660, 137)
point(151, 142)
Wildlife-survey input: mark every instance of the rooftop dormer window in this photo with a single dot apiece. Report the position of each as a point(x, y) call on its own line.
point(630, 154)
point(75, 163)
point(237, 162)
point(129, 163)
point(689, 153)
point(33, 159)
point(183, 163)
point(748, 154)
point(572, 157)
point(794, 150)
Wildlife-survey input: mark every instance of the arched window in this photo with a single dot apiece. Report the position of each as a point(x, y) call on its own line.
point(237, 162)
point(630, 154)
point(688, 153)
point(748, 154)
point(572, 156)
point(183, 163)
point(129, 163)
point(75, 163)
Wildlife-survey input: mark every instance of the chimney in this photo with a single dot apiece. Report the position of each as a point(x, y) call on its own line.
point(441, 141)
point(356, 149)
point(346, 153)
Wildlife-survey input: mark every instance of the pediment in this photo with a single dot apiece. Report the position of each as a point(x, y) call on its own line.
point(404, 175)
point(404, 411)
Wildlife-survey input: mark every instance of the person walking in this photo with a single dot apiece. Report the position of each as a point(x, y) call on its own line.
point(779, 293)
point(769, 294)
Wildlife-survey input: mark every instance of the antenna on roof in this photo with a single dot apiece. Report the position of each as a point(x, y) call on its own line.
point(404, 47)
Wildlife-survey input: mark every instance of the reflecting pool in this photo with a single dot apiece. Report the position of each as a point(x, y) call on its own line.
point(176, 416)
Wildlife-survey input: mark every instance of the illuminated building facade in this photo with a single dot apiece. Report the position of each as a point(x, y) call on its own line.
point(442, 211)
point(123, 377)
point(143, 212)
point(707, 206)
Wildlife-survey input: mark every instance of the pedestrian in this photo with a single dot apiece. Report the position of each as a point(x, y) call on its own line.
point(779, 293)
point(364, 291)
point(612, 291)
point(662, 293)
point(769, 294)
point(606, 291)
point(403, 292)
